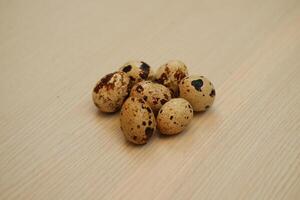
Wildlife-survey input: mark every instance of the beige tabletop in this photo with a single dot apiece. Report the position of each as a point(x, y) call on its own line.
point(54, 144)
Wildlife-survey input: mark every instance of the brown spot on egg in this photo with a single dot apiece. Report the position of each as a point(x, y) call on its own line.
point(163, 101)
point(149, 110)
point(104, 82)
point(127, 68)
point(179, 75)
point(145, 70)
point(132, 79)
point(97, 88)
point(139, 89)
point(167, 70)
point(162, 78)
point(142, 102)
point(155, 101)
point(149, 131)
point(212, 93)
point(197, 84)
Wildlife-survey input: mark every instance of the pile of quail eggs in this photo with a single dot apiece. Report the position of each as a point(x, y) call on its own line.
point(165, 100)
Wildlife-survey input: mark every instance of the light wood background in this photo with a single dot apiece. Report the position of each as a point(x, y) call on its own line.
point(54, 144)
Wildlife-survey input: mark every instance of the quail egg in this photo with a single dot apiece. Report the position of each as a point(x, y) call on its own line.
point(199, 91)
point(170, 74)
point(154, 94)
point(137, 120)
point(137, 71)
point(174, 116)
point(111, 91)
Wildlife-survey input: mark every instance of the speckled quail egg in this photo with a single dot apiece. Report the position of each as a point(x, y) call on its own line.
point(111, 91)
point(170, 74)
point(155, 94)
point(174, 116)
point(137, 120)
point(199, 91)
point(137, 71)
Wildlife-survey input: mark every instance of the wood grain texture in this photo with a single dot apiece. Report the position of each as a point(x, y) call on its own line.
point(54, 144)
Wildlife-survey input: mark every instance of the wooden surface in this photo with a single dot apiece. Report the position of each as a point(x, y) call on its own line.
point(54, 144)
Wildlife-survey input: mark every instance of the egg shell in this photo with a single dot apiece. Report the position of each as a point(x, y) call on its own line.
point(154, 94)
point(170, 75)
point(199, 91)
point(174, 116)
point(137, 120)
point(111, 91)
point(137, 71)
